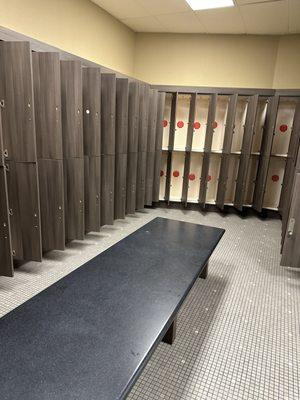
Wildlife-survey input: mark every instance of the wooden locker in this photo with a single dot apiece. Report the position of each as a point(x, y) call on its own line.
point(108, 114)
point(133, 117)
point(171, 145)
point(71, 99)
point(186, 174)
point(191, 123)
point(158, 145)
point(132, 160)
point(122, 88)
point(141, 180)
point(92, 191)
point(16, 95)
point(51, 183)
point(149, 178)
point(74, 198)
point(91, 95)
point(120, 186)
point(107, 189)
point(143, 117)
point(6, 261)
point(47, 105)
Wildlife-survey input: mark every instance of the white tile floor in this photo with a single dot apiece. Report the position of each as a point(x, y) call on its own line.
point(238, 331)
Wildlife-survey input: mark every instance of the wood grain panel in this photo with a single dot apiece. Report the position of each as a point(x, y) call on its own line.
point(6, 261)
point(132, 160)
point(92, 184)
point(108, 114)
point(143, 117)
point(120, 186)
point(107, 189)
point(133, 117)
point(122, 116)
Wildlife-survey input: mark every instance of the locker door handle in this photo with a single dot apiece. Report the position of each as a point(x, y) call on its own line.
point(291, 227)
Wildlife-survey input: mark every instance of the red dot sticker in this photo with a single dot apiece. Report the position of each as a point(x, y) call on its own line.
point(215, 125)
point(283, 128)
point(275, 178)
point(192, 177)
point(197, 125)
point(176, 174)
point(165, 123)
point(180, 124)
point(162, 173)
point(209, 178)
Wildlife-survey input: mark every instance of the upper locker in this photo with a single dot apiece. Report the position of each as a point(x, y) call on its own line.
point(71, 96)
point(19, 141)
point(91, 95)
point(108, 147)
point(47, 102)
point(6, 261)
point(121, 147)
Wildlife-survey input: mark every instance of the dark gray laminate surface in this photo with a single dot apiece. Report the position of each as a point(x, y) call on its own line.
point(89, 335)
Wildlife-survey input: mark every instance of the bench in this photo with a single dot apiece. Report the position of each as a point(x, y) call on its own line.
point(89, 335)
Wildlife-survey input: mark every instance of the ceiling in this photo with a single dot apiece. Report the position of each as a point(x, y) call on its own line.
point(269, 17)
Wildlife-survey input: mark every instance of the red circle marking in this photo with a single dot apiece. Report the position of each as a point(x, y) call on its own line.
point(209, 178)
point(176, 174)
point(162, 173)
point(197, 125)
point(283, 128)
point(215, 125)
point(275, 178)
point(192, 177)
point(180, 124)
point(165, 123)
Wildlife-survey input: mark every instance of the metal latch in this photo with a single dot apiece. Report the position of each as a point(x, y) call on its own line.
point(291, 227)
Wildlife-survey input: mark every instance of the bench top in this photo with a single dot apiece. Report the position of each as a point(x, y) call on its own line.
point(89, 335)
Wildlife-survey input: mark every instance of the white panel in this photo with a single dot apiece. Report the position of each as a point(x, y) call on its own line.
point(221, 114)
point(233, 168)
point(250, 180)
point(259, 125)
point(223, 20)
point(181, 23)
point(177, 176)
point(274, 182)
point(213, 176)
point(159, 7)
point(194, 177)
point(123, 8)
point(201, 114)
point(283, 128)
point(166, 121)
point(144, 24)
point(240, 119)
point(163, 171)
point(182, 119)
point(294, 16)
point(266, 18)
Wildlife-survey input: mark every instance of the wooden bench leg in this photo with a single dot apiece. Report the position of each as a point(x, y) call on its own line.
point(204, 272)
point(170, 336)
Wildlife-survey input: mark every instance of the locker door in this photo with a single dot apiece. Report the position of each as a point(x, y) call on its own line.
point(158, 145)
point(91, 94)
point(291, 249)
point(92, 191)
point(71, 98)
point(150, 178)
point(6, 261)
point(143, 117)
point(47, 105)
point(120, 186)
point(74, 198)
point(133, 117)
point(131, 182)
point(122, 116)
point(108, 114)
point(16, 94)
point(140, 180)
point(107, 189)
point(51, 181)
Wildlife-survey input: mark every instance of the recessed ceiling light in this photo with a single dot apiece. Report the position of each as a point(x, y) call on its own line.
point(209, 4)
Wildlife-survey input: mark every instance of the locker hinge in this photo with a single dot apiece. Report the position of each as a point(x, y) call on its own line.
point(291, 227)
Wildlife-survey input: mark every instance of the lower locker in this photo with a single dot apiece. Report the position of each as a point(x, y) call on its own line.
point(213, 178)
point(250, 180)
point(163, 176)
point(274, 183)
point(74, 198)
point(6, 261)
point(120, 186)
point(194, 177)
point(92, 190)
point(156, 178)
point(233, 167)
point(51, 182)
point(131, 182)
point(149, 178)
point(141, 180)
point(177, 176)
point(107, 189)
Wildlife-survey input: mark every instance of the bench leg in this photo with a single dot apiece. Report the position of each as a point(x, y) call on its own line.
point(204, 272)
point(171, 333)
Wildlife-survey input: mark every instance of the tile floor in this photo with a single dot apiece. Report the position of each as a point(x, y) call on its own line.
point(238, 332)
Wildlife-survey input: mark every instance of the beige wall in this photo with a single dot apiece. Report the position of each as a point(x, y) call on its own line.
point(77, 26)
point(287, 70)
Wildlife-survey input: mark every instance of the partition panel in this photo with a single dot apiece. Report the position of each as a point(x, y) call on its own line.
point(6, 261)
point(182, 121)
point(122, 93)
point(158, 145)
point(92, 193)
point(107, 189)
point(163, 176)
point(132, 160)
point(220, 123)
point(191, 122)
point(194, 177)
point(91, 97)
point(120, 186)
point(177, 176)
point(201, 121)
point(141, 180)
point(239, 123)
point(108, 114)
point(186, 174)
point(167, 120)
point(133, 117)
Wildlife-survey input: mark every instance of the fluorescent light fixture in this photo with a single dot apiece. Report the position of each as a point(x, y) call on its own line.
point(209, 4)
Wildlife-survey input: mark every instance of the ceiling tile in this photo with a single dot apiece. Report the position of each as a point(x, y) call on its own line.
point(294, 16)
point(240, 2)
point(122, 9)
point(158, 7)
point(266, 18)
point(144, 24)
point(225, 20)
point(181, 23)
